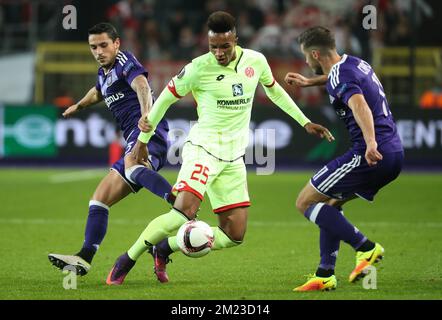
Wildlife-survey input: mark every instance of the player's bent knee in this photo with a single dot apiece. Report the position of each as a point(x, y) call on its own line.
point(190, 212)
point(235, 233)
point(237, 237)
point(130, 170)
point(188, 204)
point(301, 205)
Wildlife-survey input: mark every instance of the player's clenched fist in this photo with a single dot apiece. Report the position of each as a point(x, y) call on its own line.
point(140, 153)
point(372, 155)
point(293, 78)
point(144, 124)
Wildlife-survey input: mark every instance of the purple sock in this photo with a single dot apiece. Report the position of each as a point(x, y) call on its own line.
point(96, 227)
point(330, 219)
point(164, 248)
point(329, 246)
point(152, 181)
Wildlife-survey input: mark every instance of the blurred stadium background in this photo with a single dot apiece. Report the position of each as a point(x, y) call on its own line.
point(45, 68)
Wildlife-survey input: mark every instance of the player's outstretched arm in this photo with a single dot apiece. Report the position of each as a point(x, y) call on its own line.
point(364, 119)
point(92, 97)
point(293, 78)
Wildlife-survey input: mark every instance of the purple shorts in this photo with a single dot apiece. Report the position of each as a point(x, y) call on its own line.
point(350, 175)
point(157, 147)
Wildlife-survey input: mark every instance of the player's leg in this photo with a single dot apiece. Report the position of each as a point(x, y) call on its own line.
point(332, 183)
point(191, 186)
point(324, 278)
point(109, 191)
point(229, 233)
point(189, 204)
point(345, 177)
point(232, 228)
point(230, 206)
point(377, 177)
point(147, 176)
point(338, 203)
point(317, 204)
point(329, 243)
point(195, 175)
point(185, 208)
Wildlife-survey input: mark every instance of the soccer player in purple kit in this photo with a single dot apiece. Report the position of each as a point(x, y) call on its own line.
point(122, 83)
point(374, 160)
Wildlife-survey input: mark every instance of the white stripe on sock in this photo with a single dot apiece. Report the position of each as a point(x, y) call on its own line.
point(128, 172)
point(98, 203)
point(315, 212)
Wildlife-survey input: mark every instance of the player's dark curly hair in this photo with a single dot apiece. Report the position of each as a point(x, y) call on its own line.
point(220, 22)
point(104, 27)
point(317, 37)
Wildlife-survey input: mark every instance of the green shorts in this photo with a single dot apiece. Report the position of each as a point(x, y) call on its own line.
point(224, 182)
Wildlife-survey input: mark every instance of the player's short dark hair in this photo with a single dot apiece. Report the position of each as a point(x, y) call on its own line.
point(317, 37)
point(105, 27)
point(220, 22)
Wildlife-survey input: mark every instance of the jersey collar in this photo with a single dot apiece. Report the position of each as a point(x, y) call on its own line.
point(343, 58)
point(234, 63)
point(113, 65)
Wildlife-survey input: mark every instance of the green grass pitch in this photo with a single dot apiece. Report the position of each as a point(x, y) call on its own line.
point(44, 211)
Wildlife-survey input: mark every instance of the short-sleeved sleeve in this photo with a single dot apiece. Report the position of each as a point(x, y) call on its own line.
point(344, 84)
point(130, 67)
point(184, 82)
point(266, 78)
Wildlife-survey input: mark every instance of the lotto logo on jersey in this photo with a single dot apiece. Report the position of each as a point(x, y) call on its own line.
point(237, 89)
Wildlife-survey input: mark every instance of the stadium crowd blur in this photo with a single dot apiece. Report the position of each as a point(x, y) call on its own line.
point(175, 29)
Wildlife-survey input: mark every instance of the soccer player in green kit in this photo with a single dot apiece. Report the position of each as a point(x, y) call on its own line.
point(223, 83)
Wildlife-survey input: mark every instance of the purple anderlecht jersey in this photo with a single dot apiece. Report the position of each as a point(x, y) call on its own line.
point(119, 96)
point(351, 76)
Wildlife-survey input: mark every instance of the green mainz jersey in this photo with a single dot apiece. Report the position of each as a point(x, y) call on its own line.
point(224, 97)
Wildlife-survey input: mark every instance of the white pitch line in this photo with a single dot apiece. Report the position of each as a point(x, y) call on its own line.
point(380, 224)
point(76, 176)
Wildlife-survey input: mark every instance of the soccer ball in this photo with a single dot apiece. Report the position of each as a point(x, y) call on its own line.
point(195, 238)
